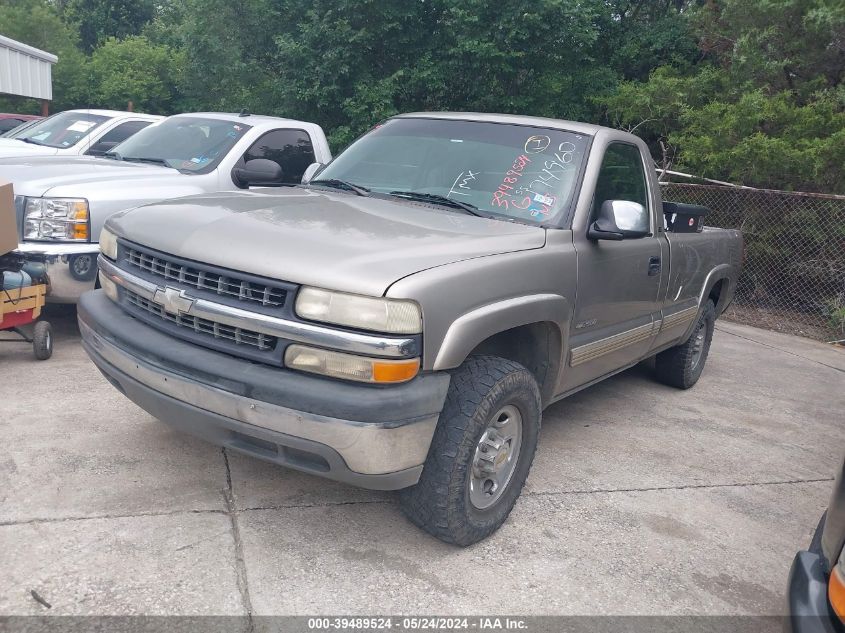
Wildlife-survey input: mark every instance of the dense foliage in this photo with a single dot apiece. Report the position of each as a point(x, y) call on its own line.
point(741, 90)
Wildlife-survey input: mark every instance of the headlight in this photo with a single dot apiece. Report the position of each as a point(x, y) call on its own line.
point(349, 366)
point(836, 587)
point(63, 219)
point(366, 313)
point(108, 244)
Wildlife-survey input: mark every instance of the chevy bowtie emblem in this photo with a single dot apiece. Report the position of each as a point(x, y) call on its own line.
point(173, 300)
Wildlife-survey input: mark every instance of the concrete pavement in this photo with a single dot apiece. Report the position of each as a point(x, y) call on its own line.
point(642, 500)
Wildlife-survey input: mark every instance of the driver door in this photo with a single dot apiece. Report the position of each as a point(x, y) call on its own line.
point(617, 309)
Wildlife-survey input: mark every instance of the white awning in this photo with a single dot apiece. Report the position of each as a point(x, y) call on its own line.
point(25, 71)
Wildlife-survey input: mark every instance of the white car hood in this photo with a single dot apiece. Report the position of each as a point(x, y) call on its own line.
point(16, 147)
point(80, 176)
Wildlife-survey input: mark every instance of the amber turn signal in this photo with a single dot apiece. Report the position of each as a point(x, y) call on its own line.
point(836, 591)
point(395, 371)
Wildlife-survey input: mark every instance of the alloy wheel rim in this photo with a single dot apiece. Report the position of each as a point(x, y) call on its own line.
point(495, 457)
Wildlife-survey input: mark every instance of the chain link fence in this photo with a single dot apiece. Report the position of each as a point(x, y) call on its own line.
point(793, 280)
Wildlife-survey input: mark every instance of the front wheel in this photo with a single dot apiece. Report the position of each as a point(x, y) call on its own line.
point(83, 267)
point(480, 454)
point(681, 366)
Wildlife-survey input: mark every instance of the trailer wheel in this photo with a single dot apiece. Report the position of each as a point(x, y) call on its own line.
point(42, 340)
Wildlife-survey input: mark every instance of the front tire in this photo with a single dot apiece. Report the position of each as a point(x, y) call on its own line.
point(481, 452)
point(83, 267)
point(681, 366)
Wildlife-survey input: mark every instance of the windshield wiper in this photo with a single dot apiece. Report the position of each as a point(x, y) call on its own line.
point(438, 199)
point(144, 159)
point(34, 142)
point(113, 155)
point(342, 184)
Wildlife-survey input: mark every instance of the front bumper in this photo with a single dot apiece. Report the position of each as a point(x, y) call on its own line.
point(71, 268)
point(809, 609)
point(373, 437)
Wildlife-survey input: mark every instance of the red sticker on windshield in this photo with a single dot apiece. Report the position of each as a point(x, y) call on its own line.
point(511, 178)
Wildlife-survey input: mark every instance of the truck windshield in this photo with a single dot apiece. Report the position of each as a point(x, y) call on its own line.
point(187, 143)
point(16, 132)
point(62, 130)
point(512, 172)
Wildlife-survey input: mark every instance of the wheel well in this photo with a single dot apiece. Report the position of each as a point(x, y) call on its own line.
point(536, 346)
point(716, 293)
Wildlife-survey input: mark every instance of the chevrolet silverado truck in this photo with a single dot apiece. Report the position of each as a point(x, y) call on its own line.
point(402, 319)
point(61, 203)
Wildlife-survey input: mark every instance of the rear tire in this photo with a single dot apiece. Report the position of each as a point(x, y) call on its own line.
point(42, 340)
point(480, 454)
point(681, 366)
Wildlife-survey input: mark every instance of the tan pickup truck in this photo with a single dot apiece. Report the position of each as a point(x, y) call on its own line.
point(401, 320)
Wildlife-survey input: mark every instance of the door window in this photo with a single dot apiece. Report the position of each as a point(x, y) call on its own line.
point(621, 177)
point(8, 124)
point(115, 136)
point(291, 149)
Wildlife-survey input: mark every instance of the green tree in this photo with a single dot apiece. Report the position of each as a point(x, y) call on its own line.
point(766, 105)
point(353, 62)
point(795, 45)
point(641, 35)
point(135, 70)
point(769, 141)
point(36, 22)
point(228, 47)
point(349, 63)
point(98, 20)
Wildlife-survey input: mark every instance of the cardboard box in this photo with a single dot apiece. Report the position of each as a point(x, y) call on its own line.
point(8, 225)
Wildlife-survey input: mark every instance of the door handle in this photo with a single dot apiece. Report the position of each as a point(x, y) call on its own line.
point(653, 266)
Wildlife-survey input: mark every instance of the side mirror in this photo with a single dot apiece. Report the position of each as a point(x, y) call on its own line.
point(620, 220)
point(258, 171)
point(310, 172)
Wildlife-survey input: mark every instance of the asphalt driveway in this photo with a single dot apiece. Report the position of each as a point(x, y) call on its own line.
point(642, 500)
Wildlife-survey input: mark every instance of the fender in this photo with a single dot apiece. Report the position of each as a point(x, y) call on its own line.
point(471, 328)
point(722, 271)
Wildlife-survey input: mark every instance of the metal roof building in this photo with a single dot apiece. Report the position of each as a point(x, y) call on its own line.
point(25, 71)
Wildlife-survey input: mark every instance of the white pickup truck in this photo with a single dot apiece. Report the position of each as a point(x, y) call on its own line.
point(61, 203)
point(76, 133)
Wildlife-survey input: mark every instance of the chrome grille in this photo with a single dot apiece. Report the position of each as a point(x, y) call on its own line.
point(229, 285)
point(217, 330)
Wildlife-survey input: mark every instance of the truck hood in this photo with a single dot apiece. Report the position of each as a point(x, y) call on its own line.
point(15, 147)
point(73, 176)
point(331, 240)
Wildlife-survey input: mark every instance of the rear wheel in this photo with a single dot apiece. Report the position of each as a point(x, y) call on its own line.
point(681, 366)
point(42, 340)
point(480, 454)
